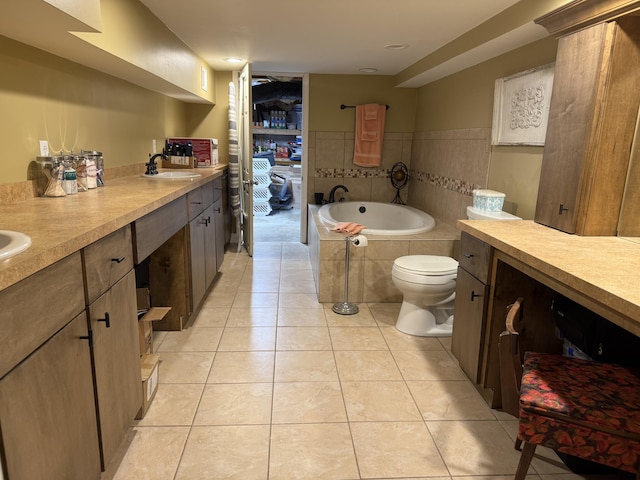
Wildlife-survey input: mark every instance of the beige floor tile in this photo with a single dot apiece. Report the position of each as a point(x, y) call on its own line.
point(246, 339)
point(357, 338)
point(191, 340)
point(396, 449)
point(308, 402)
point(242, 367)
point(184, 367)
point(299, 300)
point(235, 404)
point(239, 452)
point(222, 296)
point(428, 365)
point(379, 401)
point(475, 447)
point(212, 317)
point(366, 365)
point(301, 317)
point(255, 317)
point(398, 340)
point(305, 366)
point(263, 281)
point(361, 319)
point(173, 405)
point(148, 453)
point(449, 400)
point(303, 338)
point(385, 314)
point(158, 338)
point(312, 451)
point(252, 300)
point(297, 281)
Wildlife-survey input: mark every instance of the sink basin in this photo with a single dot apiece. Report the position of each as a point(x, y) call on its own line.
point(172, 175)
point(13, 243)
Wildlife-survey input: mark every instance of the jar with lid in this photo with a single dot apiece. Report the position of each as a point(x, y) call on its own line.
point(69, 177)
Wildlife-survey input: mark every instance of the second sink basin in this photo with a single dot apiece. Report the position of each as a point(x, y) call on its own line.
point(173, 175)
point(13, 243)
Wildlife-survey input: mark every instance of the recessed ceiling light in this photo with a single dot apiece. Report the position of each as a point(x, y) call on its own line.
point(234, 60)
point(368, 70)
point(395, 46)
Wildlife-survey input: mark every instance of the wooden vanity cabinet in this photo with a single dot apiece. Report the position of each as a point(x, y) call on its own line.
point(47, 410)
point(592, 118)
point(470, 309)
point(113, 322)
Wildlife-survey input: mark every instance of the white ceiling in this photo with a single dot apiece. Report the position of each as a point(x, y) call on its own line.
point(335, 36)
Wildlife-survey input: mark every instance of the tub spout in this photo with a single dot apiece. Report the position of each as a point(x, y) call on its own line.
point(332, 194)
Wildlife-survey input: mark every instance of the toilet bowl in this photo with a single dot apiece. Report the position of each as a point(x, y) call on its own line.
point(428, 286)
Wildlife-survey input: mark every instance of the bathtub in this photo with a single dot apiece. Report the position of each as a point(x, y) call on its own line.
point(379, 218)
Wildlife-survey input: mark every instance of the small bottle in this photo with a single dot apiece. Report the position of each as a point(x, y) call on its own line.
point(69, 178)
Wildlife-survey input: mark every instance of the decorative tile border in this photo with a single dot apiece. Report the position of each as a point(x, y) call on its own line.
point(455, 185)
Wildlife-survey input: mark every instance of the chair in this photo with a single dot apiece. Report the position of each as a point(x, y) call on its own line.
point(586, 409)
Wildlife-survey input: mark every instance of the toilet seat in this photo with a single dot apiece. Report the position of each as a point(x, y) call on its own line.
point(425, 269)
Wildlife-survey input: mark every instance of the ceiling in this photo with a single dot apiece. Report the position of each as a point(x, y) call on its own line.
point(342, 36)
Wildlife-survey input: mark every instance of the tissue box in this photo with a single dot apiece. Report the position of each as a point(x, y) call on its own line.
point(488, 200)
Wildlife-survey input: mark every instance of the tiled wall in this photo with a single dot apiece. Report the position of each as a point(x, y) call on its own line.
point(331, 163)
point(445, 166)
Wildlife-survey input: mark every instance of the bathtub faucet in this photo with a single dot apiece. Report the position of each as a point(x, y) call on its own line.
point(333, 192)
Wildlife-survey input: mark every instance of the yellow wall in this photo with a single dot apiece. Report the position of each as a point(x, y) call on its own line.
point(328, 92)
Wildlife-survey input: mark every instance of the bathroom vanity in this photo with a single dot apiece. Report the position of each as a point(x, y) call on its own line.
point(70, 379)
point(538, 263)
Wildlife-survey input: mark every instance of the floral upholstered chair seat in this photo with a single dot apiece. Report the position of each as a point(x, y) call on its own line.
point(586, 409)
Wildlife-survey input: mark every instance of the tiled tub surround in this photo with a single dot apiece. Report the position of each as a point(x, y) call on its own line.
point(370, 266)
point(445, 168)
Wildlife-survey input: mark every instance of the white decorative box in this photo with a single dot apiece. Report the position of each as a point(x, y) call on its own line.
point(488, 200)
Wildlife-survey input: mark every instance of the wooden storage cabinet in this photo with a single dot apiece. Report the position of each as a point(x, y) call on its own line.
point(113, 321)
point(47, 411)
point(592, 118)
point(470, 310)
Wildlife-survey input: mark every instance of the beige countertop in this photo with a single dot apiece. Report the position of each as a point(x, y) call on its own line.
point(60, 226)
point(604, 269)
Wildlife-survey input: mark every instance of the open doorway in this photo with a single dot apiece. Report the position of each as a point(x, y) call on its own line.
point(279, 157)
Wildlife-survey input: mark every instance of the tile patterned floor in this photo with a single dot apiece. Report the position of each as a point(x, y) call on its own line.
point(267, 383)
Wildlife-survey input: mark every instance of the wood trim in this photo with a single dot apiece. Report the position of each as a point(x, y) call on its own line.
point(581, 14)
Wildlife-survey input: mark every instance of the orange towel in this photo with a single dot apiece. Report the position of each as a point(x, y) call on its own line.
point(369, 134)
point(348, 227)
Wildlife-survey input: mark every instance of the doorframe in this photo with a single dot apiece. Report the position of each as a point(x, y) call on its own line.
point(304, 164)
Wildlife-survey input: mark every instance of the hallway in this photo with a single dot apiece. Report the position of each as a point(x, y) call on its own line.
point(270, 384)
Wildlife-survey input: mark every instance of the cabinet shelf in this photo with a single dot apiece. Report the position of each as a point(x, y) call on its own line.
point(276, 131)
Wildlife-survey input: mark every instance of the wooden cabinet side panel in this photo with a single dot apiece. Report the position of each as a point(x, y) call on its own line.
point(610, 148)
point(47, 411)
point(575, 85)
point(169, 281)
point(116, 356)
point(37, 307)
point(468, 323)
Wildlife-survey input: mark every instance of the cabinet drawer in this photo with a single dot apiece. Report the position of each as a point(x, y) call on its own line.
point(196, 202)
point(475, 256)
point(37, 307)
point(157, 227)
point(107, 261)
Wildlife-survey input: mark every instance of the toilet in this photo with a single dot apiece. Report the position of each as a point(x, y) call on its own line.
point(428, 286)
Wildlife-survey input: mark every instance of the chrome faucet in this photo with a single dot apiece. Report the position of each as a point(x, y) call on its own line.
point(152, 167)
point(333, 192)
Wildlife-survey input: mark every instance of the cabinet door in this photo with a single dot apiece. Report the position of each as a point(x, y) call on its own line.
point(47, 411)
point(116, 356)
point(218, 215)
point(210, 242)
point(468, 322)
point(197, 235)
point(593, 112)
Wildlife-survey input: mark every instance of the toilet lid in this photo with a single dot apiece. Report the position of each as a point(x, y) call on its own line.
point(427, 264)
